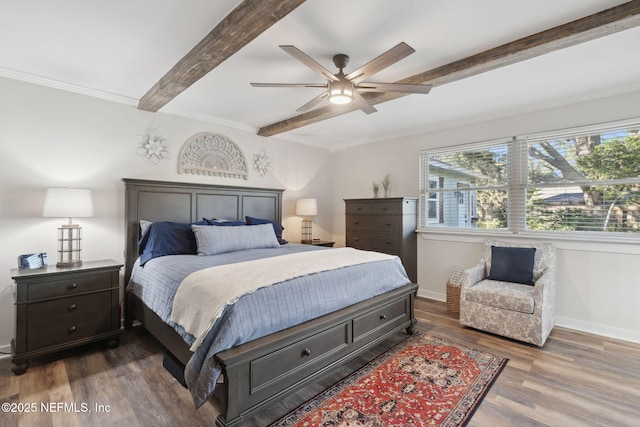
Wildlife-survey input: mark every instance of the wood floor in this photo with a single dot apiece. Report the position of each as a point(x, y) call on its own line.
point(577, 379)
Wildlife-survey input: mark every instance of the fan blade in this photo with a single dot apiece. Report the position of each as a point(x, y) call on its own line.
point(309, 62)
point(315, 101)
point(289, 85)
point(363, 104)
point(393, 55)
point(393, 87)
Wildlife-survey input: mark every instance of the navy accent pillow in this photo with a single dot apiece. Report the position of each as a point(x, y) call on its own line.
point(167, 238)
point(512, 264)
point(226, 223)
point(276, 227)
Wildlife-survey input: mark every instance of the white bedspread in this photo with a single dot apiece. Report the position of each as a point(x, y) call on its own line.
point(203, 295)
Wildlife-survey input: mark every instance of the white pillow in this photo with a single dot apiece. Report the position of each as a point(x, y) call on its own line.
point(213, 240)
point(144, 224)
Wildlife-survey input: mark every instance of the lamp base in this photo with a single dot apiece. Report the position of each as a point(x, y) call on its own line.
point(69, 246)
point(69, 264)
point(306, 232)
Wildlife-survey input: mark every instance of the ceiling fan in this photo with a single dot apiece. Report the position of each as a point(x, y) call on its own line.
point(343, 89)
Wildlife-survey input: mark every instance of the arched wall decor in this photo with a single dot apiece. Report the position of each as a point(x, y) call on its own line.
point(212, 154)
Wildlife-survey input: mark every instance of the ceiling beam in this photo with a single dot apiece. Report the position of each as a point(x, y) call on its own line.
point(246, 22)
point(600, 24)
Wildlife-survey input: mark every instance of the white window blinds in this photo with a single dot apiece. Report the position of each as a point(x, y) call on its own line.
point(583, 181)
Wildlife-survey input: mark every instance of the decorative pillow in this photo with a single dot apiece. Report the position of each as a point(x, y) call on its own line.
point(511, 264)
point(167, 238)
point(276, 227)
point(219, 240)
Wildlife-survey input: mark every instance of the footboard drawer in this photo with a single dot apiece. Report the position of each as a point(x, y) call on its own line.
point(379, 321)
point(295, 361)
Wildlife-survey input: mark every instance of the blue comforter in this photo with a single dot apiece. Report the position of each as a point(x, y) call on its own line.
point(268, 310)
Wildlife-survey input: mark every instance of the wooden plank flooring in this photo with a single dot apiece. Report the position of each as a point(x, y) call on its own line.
point(577, 379)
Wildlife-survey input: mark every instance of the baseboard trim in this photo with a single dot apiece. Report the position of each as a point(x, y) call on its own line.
point(598, 329)
point(566, 322)
point(431, 295)
point(5, 349)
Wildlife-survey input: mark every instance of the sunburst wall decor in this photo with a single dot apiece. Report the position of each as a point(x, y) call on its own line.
point(153, 147)
point(262, 162)
point(212, 154)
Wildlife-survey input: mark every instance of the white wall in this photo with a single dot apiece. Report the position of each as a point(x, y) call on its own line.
point(599, 283)
point(52, 138)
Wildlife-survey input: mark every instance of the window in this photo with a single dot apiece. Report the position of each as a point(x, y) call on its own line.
point(573, 181)
point(469, 186)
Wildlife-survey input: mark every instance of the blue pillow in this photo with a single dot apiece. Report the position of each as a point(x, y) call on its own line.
point(276, 227)
point(167, 238)
point(225, 223)
point(512, 264)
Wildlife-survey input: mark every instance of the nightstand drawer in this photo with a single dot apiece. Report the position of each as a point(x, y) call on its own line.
point(67, 330)
point(379, 223)
point(68, 286)
point(79, 308)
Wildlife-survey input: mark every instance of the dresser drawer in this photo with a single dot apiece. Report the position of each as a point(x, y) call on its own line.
point(380, 223)
point(68, 286)
point(388, 243)
point(374, 207)
point(77, 307)
point(296, 361)
point(68, 330)
point(379, 321)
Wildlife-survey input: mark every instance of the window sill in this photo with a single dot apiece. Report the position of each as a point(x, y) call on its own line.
point(593, 242)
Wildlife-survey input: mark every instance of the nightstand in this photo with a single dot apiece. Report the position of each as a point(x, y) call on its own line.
point(321, 243)
point(61, 308)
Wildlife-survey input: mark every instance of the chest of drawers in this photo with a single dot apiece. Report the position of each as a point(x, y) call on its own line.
point(384, 225)
point(60, 308)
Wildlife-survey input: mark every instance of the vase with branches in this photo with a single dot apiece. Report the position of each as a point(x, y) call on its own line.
point(386, 182)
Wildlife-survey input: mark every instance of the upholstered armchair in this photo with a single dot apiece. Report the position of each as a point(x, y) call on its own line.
point(524, 312)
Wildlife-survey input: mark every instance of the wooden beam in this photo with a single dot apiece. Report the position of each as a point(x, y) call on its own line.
point(246, 22)
point(600, 24)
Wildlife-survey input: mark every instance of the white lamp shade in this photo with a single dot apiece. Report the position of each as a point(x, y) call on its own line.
point(306, 207)
point(68, 203)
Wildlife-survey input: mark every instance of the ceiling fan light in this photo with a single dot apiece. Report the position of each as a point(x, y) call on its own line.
point(341, 93)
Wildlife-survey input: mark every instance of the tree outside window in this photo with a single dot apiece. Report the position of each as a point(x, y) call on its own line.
point(568, 182)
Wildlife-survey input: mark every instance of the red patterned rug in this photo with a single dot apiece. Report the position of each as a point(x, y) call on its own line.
point(422, 381)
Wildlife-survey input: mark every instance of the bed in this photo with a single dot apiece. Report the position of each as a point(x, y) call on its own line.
point(269, 368)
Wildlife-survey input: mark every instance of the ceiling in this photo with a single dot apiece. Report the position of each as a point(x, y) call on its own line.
point(119, 49)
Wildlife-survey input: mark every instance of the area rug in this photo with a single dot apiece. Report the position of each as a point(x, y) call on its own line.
point(422, 381)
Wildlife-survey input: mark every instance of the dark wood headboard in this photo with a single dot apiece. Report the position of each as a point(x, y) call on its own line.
point(189, 202)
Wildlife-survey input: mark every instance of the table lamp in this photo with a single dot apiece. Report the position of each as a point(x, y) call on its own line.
point(68, 203)
point(306, 208)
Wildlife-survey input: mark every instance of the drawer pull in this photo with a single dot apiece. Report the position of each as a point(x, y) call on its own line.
point(388, 242)
point(384, 208)
point(306, 352)
point(72, 329)
point(388, 223)
point(359, 208)
point(357, 222)
point(355, 239)
point(72, 307)
point(73, 286)
point(383, 317)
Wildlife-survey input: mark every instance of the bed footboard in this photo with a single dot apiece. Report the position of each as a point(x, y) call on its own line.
point(268, 369)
